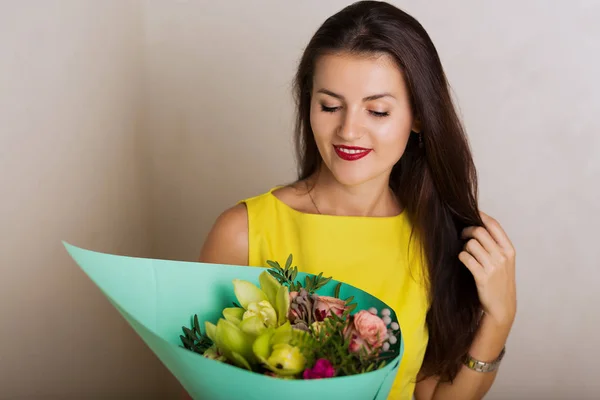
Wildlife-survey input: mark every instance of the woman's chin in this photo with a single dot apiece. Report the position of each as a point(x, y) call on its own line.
point(354, 173)
point(351, 178)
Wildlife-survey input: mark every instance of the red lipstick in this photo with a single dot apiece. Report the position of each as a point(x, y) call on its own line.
point(351, 153)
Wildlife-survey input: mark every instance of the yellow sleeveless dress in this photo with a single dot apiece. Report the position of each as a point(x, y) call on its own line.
point(371, 253)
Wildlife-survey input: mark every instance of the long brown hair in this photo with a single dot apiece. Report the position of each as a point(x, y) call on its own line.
point(435, 183)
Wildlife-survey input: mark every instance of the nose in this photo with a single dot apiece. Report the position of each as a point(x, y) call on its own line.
point(350, 126)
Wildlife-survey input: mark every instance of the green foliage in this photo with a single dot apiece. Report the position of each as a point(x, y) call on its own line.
point(287, 276)
point(194, 339)
point(329, 342)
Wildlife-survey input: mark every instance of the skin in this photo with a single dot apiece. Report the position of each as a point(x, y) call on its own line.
point(346, 109)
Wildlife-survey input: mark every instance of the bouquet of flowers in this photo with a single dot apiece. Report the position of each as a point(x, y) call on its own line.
point(255, 333)
point(284, 328)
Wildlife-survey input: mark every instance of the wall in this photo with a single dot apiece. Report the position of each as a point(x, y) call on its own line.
point(70, 169)
point(219, 117)
point(128, 127)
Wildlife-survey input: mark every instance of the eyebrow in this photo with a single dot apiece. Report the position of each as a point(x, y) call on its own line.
point(368, 98)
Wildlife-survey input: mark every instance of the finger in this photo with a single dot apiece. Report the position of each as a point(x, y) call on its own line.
point(474, 248)
point(483, 236)
point(472, 265)
point(497, 232)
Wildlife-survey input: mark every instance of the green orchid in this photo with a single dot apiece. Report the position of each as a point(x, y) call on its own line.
point(261, 309)
point(276, 350)
point(258, 317)
point(213, 353)
point(234, 314)
point(232, 342)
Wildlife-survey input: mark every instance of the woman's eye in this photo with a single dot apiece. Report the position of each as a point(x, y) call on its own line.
point(324, 108)
point(379, 114)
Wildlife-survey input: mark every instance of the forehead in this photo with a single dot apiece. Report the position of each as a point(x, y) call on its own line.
point(358, 75)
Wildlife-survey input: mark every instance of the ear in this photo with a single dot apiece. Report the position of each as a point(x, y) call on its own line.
point(416, 126)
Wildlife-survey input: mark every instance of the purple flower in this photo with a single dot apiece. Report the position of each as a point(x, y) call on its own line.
point(322, 369)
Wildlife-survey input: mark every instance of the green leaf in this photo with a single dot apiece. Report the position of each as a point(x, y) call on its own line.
point(288, 262)
point(278, 276)
point(196, 325)
point(295, 287)
point(188, 333)
point(323, 282)
point(185, 341)
point(336, 292)
point(193, 339)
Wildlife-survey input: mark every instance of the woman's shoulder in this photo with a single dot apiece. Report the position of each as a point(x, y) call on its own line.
point(227, 240)
point(290, 196)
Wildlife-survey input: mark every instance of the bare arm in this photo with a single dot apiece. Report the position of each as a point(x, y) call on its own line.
point(227, 241)
point(490, 256)
point(470, 384)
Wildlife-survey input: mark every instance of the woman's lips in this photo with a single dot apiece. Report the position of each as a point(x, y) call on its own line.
point(351, 153)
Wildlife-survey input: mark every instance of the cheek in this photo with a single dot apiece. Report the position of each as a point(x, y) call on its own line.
point(322, 125)
point(392, 137)
point(314, 121)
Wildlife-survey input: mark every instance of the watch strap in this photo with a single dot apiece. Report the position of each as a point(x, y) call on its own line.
point(481, 366)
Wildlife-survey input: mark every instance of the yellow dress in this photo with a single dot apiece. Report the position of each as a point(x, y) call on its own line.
point(371, 253)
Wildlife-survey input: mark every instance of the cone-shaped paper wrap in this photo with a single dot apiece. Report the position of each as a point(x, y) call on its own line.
point(158, 297)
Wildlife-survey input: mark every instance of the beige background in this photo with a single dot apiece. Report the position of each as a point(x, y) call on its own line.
point(127, 126)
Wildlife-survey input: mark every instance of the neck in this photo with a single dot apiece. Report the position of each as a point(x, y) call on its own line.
point(369, 199)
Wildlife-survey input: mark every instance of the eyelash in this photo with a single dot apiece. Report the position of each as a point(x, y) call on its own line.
point(334, 109)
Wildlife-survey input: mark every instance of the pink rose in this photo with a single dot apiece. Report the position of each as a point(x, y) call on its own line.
point(366, 328)
point(356, 342)
point(327, 305)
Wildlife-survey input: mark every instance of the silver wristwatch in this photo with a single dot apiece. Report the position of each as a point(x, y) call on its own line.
point(481, 366)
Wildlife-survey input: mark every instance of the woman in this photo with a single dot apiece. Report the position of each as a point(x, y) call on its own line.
point(386, 200)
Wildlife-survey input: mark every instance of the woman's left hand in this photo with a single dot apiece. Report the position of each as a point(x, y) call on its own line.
point(490, 256)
